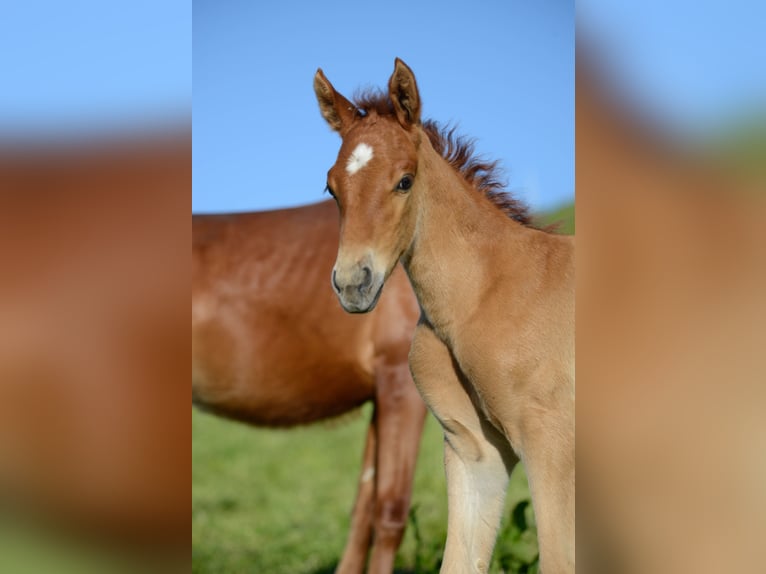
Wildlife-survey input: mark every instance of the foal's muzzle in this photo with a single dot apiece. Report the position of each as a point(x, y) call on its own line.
point(358, 286)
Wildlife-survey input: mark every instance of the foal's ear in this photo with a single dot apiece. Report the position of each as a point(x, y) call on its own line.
point(403, 91)
point(336, 109)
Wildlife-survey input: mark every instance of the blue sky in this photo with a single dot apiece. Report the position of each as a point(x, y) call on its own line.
point(86, 66)
point(502, 70)
point(693, 65)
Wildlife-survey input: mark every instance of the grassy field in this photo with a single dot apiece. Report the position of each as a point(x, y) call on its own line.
point(278, 502)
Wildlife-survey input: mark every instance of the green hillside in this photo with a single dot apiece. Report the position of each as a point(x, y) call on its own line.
point(564, 216)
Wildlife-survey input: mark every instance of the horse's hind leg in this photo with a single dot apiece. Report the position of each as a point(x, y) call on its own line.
point(477, 458)
point(360, 533)
point(401, 414)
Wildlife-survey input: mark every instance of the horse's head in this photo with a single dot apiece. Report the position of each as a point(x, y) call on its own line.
point(373, 181)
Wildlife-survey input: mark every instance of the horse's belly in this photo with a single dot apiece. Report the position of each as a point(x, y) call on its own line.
point(277, 365)
point(283, 393)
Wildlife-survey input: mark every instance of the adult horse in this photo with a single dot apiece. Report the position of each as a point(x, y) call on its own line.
point(493, 353)
point(272, 347)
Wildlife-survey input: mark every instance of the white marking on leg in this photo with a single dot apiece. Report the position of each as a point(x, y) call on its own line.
point(368, 473)
point(358, 158)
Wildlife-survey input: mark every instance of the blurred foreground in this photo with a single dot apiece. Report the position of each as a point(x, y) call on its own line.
point(94, 291)
point(671, 332)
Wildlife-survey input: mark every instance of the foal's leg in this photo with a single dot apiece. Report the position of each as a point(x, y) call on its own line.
point(360, 533)
point(477, 458)
point(548, 451)
point(401, 414)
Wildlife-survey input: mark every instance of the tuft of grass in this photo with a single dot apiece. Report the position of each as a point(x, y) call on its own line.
point(278, 501)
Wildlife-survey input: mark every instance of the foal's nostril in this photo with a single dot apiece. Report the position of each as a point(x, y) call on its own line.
point(367, 279)
point(334, 282)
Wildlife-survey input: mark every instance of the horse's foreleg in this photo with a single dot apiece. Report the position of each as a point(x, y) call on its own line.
point(360, 533)
point(548, 452)
point(477, 458)
point(401, 414)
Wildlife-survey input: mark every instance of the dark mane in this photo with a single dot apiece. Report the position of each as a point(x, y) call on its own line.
point(482, 175)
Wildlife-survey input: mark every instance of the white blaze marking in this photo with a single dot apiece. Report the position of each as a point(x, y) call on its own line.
point(358, 158)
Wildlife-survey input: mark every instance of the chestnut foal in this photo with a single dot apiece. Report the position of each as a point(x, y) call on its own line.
point(493, 353)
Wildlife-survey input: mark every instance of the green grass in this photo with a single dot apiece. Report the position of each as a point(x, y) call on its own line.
point(278, 502)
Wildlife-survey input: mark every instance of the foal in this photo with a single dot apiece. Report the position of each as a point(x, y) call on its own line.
point(493, 353)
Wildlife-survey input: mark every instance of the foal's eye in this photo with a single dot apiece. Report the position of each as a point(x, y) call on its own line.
point(329, 190)
point(405, 183)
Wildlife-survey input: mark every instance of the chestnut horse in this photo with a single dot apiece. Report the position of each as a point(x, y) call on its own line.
point(493, 352)
point(272, 347)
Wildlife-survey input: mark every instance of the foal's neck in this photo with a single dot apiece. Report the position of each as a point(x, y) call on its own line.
point(453, 259)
